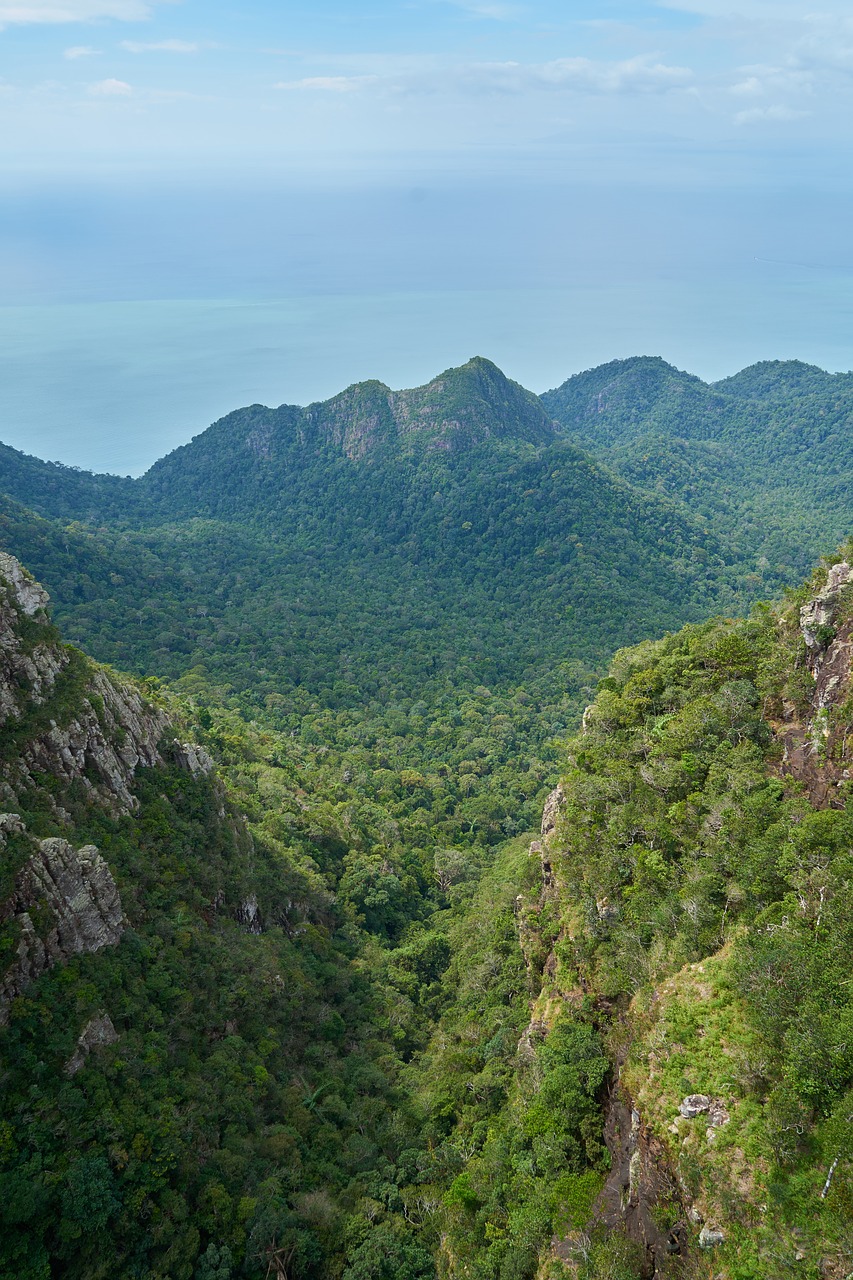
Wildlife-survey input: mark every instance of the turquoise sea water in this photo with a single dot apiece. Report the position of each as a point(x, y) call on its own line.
point(112, 386)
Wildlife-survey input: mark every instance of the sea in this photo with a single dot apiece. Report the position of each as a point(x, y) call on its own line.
point(114, 385)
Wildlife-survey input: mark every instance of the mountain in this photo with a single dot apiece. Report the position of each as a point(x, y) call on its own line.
point(766, 457)
point(692, 926)
point(379, 541)
point(291, 981)
point(247, 458)
point(197, 1069)
point(612, 404)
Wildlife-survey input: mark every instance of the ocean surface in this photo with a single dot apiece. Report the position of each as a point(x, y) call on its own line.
point(114, 385)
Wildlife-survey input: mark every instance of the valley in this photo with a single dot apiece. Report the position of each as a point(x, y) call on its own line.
point(356, 1009)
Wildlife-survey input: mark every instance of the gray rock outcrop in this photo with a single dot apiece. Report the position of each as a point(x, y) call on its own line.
point(65, 902)
point(821, 611)
point(108, 732)
point(551, 811)
point(28, 595)
point(695, 1104)
point(112, 735)
point(98, 1033)
point(193, 758)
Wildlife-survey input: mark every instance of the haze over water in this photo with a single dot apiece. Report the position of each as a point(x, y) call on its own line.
point(112, 386)
point(200, 209)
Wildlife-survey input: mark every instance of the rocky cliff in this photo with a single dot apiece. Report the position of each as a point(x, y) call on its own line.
point(71, 733)
point(696, 858)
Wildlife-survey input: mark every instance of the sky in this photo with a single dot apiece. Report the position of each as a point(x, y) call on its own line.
point(261, 153)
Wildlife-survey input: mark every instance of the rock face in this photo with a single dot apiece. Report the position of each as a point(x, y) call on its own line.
point(112, 735)
point(192, 757)
point(29, 595)
point(97, 1034)
point(820, 612)
point(551, 811)
point(695, 1104)
point(100, 732)
point(28, 667)
point(87, 731)
point(809, 742)
point(65, 902)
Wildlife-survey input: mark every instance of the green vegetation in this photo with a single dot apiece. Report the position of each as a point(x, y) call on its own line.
point(359, 1036)
point(764, 457)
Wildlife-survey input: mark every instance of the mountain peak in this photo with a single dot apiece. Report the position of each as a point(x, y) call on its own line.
point(774, 379)
point(596, 406)
point(468, 404)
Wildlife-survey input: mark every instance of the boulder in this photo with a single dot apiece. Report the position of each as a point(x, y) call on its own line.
point(695, 1104)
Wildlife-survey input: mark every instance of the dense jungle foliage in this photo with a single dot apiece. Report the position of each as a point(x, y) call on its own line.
point(764, 457)
point(384, 634)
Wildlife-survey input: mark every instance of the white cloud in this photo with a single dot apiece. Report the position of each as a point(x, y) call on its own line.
point(774, 114)
point(328, 84)
point(749, 87)
point(160, 46)
point(111, 89)
point(633, 75)
point(582, 75)
point(80, 51)
point(58, 11)
point(828, 45)
point(762, 79)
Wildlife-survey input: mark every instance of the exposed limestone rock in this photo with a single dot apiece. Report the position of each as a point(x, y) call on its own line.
point(695, 1104)
point(111, 742)
point(27, 670)
point(809, 744)
point(709, 1238)
point(193, 758)
point(821, 611)
point(113, 731)
point(533, 1035)
point(551, 812)
point(249, 915)
point(718, 1114)
point(28, 595)
point(97, 1034)
point(72, 896)
point(10, 824)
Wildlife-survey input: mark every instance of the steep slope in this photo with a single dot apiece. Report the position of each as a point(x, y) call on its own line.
point(253, 454)
point(292, 569)
point(68, 493)
point(614, 403)
point(195, 1072)
point(693, 916)
point(238, 467)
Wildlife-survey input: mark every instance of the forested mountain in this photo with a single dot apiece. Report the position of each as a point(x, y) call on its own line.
point(766, 457)
point(291, 984)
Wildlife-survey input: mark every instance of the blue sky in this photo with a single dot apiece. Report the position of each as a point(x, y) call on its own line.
point(677, 174)
point(326, 86)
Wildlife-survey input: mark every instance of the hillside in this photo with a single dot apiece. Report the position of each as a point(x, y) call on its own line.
point(202, 1018)
point(337, 594)
point(251, 1021)
point(764, 456)
point(291, 983)
point(691, 930)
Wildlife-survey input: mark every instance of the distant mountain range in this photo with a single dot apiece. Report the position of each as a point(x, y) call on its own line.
point(743, 453)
